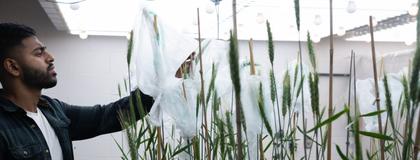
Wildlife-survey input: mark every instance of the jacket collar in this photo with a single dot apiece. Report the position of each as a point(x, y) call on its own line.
point(9, 106)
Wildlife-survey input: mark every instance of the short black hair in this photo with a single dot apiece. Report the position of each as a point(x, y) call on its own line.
point(11, 35)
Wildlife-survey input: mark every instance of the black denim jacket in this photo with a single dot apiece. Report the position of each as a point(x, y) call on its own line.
point(20, 137)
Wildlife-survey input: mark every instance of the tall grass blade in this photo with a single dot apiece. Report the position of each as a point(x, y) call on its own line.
point(340, 153)
point(262, 111)
point(212, 81)
point(376, 135)
point(329, 120)
point(300, 87)
point(374, 113)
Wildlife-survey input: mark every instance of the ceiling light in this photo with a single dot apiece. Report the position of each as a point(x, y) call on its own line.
point(74, 6)
point(351, 6)
point(260, 18)
point(413, 9)
point(209, 9)
point(83, 35)
point(317, 20)
point(292, 26)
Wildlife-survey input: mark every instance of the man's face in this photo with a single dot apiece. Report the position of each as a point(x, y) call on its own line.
point(36, 64)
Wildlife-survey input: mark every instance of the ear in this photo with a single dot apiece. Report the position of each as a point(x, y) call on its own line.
point(11, 66)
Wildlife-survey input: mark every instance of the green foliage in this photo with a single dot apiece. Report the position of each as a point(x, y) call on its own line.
point(409, 130)
point(329, 120)
point(311, 51)
point(295, 75)
point(196, 148)
point(300, 86)
point(262, 111)
point(119, 90)
point(357, 141)
point(297, 13)
point(212, 81)
point(374, 113)
point(406, 94)
point(414, 83)
point(273, 89)
point(234, 64)
point(388, 104)
point(129, 48)
point(376, 135)
point(231, 133)
point(223, 143)
point(287, 97)
point(270, 43)
point(313, 86)
point(179, 150)
point(340, 153)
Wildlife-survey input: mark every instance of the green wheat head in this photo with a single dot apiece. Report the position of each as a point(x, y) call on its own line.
point(311, 51)
point(407, 106)
point(262, 111)
point(297, 13)
point(313, 86)
point(272, 86)
point(388, 102)
point(414, 83)
point(287, 100)
point(270, 43)
point(129, 48)
point(234, 64)
point(406, 93)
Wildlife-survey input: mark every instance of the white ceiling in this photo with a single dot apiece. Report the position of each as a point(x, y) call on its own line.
point(116, 17)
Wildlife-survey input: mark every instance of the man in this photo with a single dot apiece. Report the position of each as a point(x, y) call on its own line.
point(34, 126)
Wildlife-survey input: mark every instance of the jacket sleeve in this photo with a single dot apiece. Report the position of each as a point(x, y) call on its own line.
point(2, 149)
point(90, 121)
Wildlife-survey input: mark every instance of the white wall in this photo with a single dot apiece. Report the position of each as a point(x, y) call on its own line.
point(88, 73)
point(89, 70)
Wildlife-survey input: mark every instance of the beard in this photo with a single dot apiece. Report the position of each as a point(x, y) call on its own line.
point(37, 78)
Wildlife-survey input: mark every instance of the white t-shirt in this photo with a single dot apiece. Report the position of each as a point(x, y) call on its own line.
point(49, 134)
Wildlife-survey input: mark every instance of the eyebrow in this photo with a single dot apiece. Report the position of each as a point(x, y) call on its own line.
point(39, 48)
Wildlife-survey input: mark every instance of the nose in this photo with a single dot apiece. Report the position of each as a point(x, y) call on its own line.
point(50, 57)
